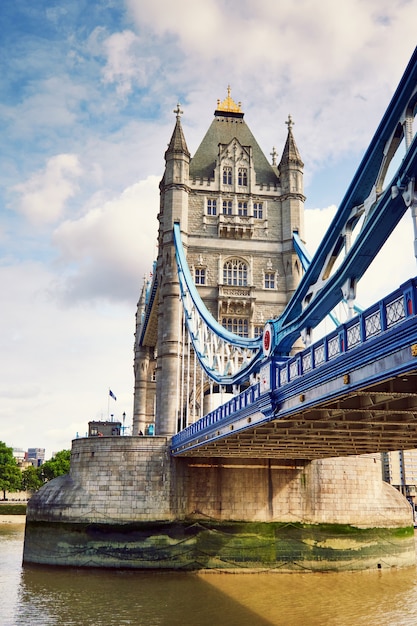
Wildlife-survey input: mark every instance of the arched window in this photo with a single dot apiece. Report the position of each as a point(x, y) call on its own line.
point(200, 276)
point(242, 176)
point(227, 207)
point(227, 176)
point(211, 207)
point(258, 210)
point(235, 272)
point(242, 208)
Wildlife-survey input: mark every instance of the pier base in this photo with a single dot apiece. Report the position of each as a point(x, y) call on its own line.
point(127, 503)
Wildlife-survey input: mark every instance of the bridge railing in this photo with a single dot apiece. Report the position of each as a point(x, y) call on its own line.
point(241, 401)
point(377, 319)
point(374, 321)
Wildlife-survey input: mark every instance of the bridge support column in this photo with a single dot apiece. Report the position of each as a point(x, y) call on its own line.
point(156, 512)
point(168, 361)
point(140, 409)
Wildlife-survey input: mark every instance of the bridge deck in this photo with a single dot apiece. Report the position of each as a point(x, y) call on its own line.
point(360, 399)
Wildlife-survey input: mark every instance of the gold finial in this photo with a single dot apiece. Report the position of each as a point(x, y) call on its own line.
point(228, 104)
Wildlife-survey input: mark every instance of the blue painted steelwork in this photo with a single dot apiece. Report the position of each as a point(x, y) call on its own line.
point(226, 358)
point(305, 258)
point(319, 291)
point(150, 301)
point(377, 332)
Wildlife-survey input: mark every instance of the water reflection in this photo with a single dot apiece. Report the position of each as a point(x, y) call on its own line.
point(342, 599)
point(80, 597)
point(43, 596)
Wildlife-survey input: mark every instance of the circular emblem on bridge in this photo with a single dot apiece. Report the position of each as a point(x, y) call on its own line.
point(267, 339)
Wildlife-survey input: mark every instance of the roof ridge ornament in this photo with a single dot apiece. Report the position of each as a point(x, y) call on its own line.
point(229, 105)
point(178, 112)
point(290, 123)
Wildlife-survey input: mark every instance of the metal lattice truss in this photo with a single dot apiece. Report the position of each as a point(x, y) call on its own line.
point(225, 357)
point(367, 215)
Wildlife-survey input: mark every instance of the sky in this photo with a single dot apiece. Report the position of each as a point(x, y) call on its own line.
point(88, 90)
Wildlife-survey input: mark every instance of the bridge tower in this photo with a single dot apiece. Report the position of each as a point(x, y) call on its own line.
point(237, 212)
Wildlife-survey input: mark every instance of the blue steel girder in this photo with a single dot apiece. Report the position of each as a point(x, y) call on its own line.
point(305, 259)
point(225, 357)
point(320, 290)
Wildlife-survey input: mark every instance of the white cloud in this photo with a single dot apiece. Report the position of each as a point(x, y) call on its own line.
point(325, 62)
point(44, 195)
point(59, 362)
point(126, 66)
point(111, 247)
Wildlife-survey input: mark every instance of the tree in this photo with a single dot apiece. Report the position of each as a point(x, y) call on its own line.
point(58, 465)
point(10, 474)
point(31, 481)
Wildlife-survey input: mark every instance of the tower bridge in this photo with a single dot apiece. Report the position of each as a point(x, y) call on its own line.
point(266, 446)
point(210, 293)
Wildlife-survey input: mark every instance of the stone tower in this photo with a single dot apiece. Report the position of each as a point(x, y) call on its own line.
point(237, 213)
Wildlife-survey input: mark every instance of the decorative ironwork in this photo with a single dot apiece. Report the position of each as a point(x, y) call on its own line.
point(395, 311)
point(294, 370)
point(373, 324)
point(307, 362)
point(319, 354)
point(353, 336)
point(333, 347)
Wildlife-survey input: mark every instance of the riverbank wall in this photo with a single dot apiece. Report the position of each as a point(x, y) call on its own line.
point(127, 503)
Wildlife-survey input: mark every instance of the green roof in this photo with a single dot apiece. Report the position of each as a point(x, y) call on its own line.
point(224, 128)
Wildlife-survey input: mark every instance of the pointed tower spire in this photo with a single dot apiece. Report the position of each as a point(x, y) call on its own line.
point(177, 145)
point(290, 155)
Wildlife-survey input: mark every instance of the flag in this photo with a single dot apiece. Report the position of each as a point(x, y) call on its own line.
point(111, 394)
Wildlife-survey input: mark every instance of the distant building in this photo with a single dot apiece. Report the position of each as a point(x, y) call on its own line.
point(104, 429)
point(19, 454)
point(36, 456)
point(400, 470)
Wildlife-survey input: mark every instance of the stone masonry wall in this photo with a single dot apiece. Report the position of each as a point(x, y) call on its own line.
point(133, 479)
point(328, 491)
point(112, 480)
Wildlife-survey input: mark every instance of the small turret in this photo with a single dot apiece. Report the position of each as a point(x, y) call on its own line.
point(174, 189)
point(291, 175)
point(177, 145)
point(291, 166)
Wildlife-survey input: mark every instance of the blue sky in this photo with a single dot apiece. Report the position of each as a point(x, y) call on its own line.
point(87, 96)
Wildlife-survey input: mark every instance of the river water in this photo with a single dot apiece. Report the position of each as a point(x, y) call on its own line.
point(31, 596)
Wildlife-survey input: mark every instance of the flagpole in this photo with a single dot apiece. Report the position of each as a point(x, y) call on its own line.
point(108, 405)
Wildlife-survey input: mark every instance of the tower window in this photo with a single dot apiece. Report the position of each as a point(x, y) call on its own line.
point(211, 207)
point(258, 210)
point(242, 176)
point(242, 208)
point(269, 280)
point(200, 276)
point(237, 325)
point(227, 176)
point(227, 207)
point(235, 273)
